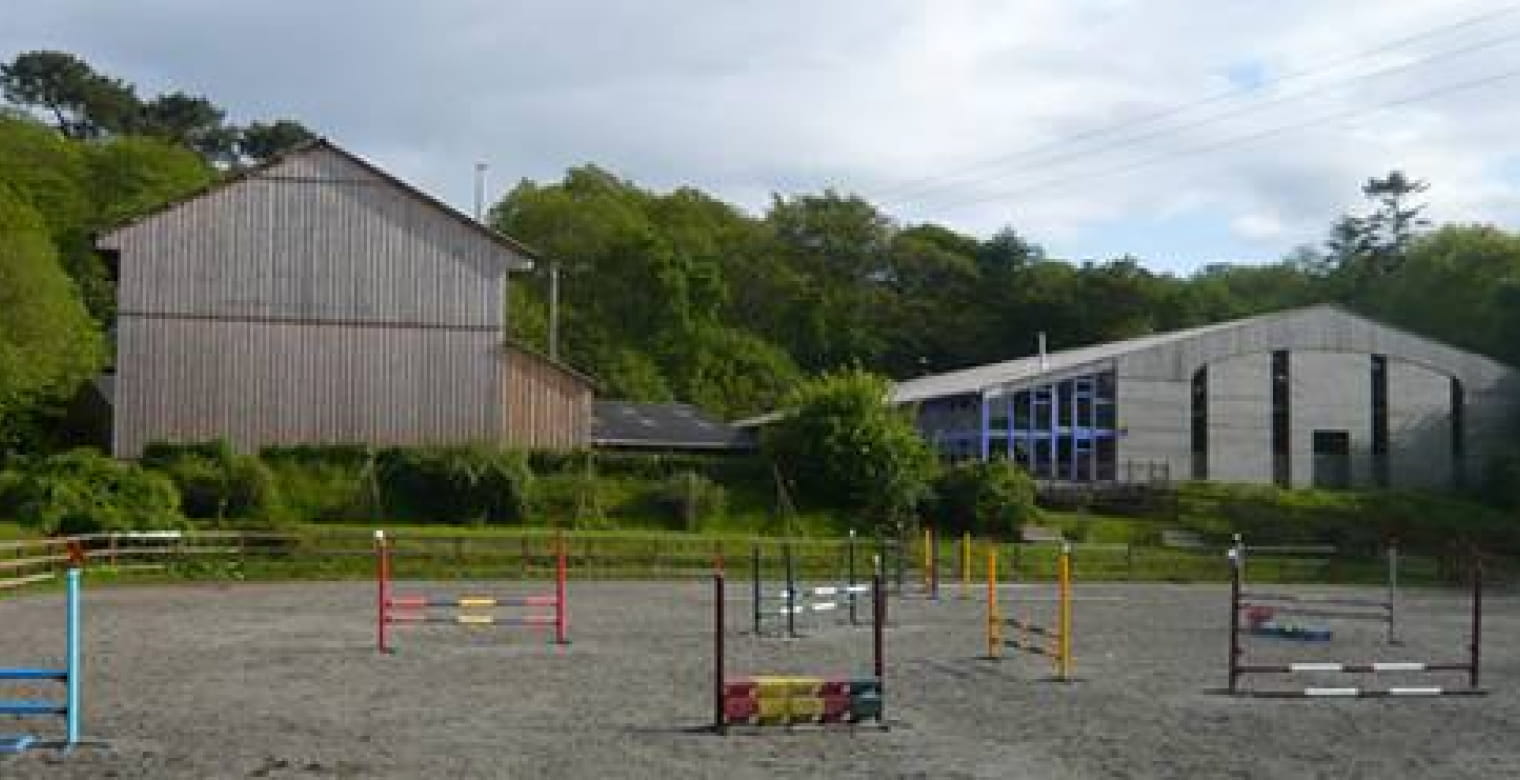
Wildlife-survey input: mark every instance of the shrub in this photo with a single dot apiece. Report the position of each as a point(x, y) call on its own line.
point(848, 448)
point(687, 498)
point(216, 483)
point(992, 497)
point(319, 491)
point(455, 484)
point(83, 491)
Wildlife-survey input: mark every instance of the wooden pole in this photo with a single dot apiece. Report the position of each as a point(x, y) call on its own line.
point(966, 564)
point(791, 592)
point(755, 593)
point(933, 565)
point(1393, 590)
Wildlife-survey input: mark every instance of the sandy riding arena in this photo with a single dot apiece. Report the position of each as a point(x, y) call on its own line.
point(283, 681)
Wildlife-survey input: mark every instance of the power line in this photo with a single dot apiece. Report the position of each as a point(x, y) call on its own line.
point(1121, 143)
point(1461, 86)
point(910, 188)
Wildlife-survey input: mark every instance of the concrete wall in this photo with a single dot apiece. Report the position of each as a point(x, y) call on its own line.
point(1240, 419)
point(1330, 391)
point(1419, 426)
point(1330, 362)
point(1153, 425)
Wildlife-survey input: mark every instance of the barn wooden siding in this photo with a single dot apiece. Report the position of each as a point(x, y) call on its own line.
point(314, 301)
point(548, 406)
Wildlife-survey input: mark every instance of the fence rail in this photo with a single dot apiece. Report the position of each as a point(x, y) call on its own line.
point(529, 553)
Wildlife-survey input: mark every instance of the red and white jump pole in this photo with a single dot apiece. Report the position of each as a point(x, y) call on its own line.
point(413, 607)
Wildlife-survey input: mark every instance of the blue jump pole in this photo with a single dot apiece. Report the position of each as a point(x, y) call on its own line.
point(73, 660)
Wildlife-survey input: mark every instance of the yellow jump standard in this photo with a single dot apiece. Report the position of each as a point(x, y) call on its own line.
point(1033, 637)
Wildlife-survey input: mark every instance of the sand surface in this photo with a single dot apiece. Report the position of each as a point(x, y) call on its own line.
point(282, 681)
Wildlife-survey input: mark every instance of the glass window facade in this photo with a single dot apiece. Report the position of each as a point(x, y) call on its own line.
point(1064, 430)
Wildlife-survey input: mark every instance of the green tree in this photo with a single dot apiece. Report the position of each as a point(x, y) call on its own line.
point(841, 246)
point(48, 346)
point(1364, 249)
point(260, 141)
point(845, 446)
point(47, 171)
point(130, 176)
point(190, 121)
point(1460, 284)
point(730, 372)
point(82, 103)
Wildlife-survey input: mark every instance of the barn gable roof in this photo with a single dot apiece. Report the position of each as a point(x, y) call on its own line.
point(994, 376)
point(520, 255)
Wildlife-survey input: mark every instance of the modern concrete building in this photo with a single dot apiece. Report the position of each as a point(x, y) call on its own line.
point(1308, 397)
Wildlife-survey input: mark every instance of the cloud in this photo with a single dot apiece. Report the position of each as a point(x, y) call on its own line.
point(1257, 227)
point(1039, 102)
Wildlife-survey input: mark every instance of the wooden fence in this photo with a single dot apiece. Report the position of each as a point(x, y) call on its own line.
point(529, 553)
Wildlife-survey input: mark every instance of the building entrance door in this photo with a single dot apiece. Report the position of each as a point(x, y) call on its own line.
point(1332, 459)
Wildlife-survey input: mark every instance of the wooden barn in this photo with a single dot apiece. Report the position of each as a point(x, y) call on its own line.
point(318, 300)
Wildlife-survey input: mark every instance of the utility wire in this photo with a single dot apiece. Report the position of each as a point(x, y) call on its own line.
point(1122, 143)
point(1460, 86)
point(912, 187)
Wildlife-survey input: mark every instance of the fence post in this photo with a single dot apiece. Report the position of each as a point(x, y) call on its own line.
point(756, 594)
point(965, 564)
point(899, 558)
point(1393, 588)
point(718, 719)
point(791, 593)
point(850, 577)
point(1477, 620)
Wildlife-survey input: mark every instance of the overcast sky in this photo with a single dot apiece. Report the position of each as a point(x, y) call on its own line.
point(1180, 131)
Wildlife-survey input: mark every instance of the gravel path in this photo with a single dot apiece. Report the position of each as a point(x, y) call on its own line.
point(282, 681)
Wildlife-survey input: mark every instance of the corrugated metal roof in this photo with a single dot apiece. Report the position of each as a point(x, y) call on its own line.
point(663, 426)
point(521, 255)
point(994, 375)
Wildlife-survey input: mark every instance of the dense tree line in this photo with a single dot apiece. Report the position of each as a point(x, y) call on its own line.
point(828, 280)
point(84, 104)
point(79, 153)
